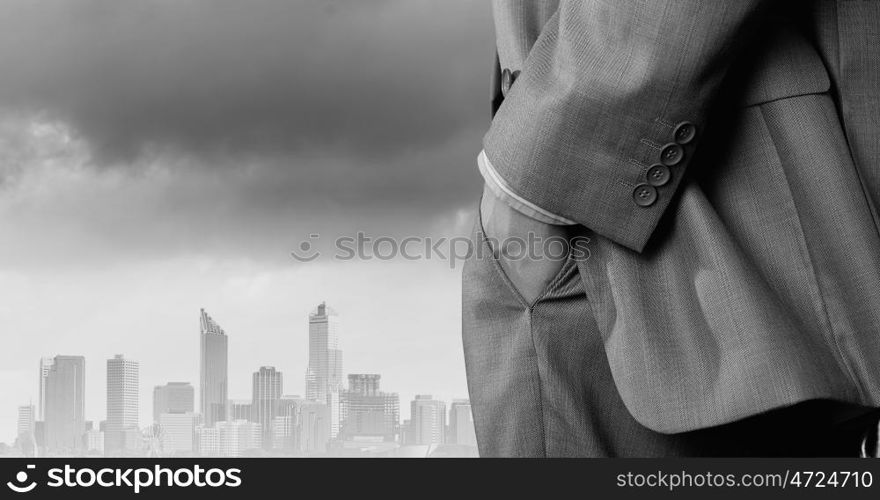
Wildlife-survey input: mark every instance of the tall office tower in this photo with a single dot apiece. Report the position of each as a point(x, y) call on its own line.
point(26, 424)
point(428, 420)
point(122, 402)
point(324, 373)
point(368, 413)
point(26, 431)
point(45, 366)
point(65, 404)
point(214, 348)
point(173, 397)
point(461, 424)
point(177, 436)
point(267, 388)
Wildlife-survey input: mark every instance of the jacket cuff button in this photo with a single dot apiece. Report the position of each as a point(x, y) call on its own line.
point(658, 175)
point(644, 195)
point(671, 154)
point(685, 133)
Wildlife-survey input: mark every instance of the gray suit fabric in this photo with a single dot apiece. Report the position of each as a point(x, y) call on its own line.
point(752, 284)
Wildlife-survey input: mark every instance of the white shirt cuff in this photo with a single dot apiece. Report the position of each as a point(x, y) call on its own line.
point(503, 191)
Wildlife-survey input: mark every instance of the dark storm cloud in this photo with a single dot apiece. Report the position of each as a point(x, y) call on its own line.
point(230, 78)
point(234, 128)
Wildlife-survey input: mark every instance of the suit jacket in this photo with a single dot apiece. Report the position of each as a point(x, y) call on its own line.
point(725, 156)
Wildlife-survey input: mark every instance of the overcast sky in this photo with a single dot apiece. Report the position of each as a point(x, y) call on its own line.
point(158, 156)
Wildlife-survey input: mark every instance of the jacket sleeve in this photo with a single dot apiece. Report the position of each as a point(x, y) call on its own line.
point(610, 103)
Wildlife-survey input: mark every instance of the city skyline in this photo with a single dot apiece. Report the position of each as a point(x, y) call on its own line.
point(176, 398)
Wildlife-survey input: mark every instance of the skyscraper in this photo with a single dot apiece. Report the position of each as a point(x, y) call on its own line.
point(45, 366)
point(173, 397)
point(428, 420)
point(324, 374)
point(213, 386)
point(325, 358)
point(267, 388)
point(366, 412)
point(461, 424)
point(122, 402)
point(65, 404)
point(26, 422)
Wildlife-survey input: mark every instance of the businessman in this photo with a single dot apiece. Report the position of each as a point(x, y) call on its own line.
point(722, 159)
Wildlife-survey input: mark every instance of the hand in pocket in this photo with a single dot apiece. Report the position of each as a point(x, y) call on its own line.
point(531, 253)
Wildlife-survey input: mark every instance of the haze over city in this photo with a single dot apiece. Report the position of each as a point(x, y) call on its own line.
point(331, 418)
